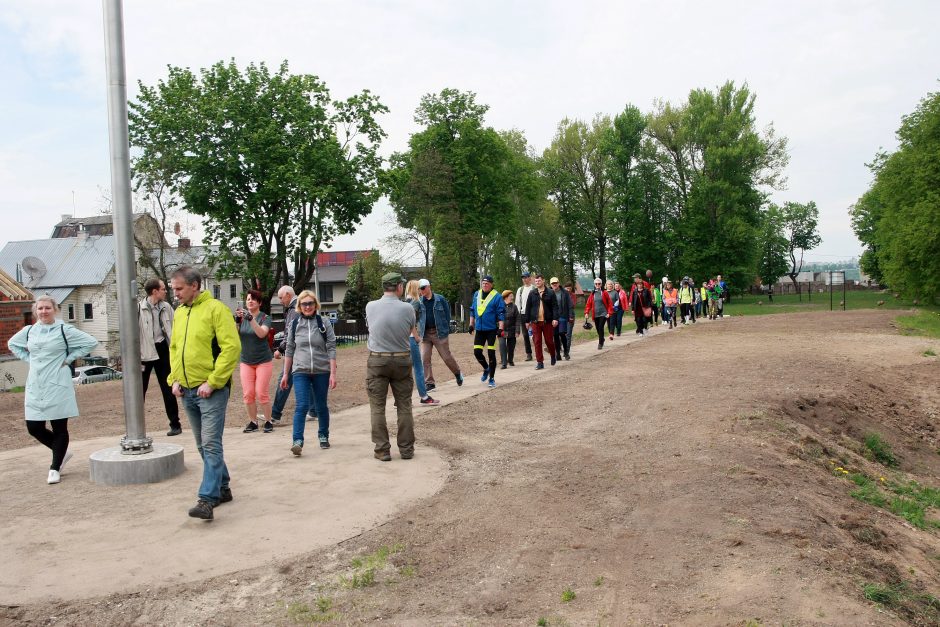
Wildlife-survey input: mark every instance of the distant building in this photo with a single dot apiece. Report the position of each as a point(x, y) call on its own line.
point(146, 229)
point(16, 304)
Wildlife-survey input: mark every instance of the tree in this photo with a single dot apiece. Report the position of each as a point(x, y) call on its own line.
point(898, 218)
point(798, 225)
point(774, 247)
point(364, 283)
point(275, 167)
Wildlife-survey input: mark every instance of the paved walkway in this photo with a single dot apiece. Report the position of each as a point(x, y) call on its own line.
point(78, 539)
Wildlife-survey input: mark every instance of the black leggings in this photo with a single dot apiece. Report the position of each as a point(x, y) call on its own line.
point(599, 325)
point(57, 439)
point(487, 340)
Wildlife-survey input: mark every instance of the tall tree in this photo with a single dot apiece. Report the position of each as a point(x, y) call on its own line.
point(272, 163)
point(898, 218)
point(774, 246)
point(799, 227)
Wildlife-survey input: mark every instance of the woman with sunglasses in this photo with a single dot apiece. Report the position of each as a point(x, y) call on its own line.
point(310, 358)
point(600, 307)
point(413, 298)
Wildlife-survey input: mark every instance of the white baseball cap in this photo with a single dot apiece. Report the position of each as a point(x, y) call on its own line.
point(423, 283)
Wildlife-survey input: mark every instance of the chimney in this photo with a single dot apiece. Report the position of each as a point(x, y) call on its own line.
point(82, 234)
point(184, 243)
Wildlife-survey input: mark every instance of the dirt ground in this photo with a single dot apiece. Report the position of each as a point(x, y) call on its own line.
point(689, 478)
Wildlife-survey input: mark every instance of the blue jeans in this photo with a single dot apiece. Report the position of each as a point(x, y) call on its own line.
point(316, 386)
point(207, 419)
point(418, 365)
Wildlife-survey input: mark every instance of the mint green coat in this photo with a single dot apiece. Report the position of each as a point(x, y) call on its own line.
point(50, 394)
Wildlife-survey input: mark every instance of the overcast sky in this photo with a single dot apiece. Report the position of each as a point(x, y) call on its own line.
point(833, 77)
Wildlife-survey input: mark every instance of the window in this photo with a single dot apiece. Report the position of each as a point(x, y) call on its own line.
point(89, 312)
point(217, 292)
point(231, 291)
point(71, 311)
point(326, 293)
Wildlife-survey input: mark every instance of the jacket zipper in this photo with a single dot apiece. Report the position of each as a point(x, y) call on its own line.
point(183, 353)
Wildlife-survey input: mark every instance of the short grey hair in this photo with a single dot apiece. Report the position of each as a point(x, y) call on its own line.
point(45, 297)
point(189, 274)
point(286, 289)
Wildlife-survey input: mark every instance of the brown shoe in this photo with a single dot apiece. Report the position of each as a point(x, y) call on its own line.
point(407, 455)
point(383, 456)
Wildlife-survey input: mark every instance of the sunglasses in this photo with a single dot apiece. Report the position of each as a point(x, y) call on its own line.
point(309, 303)
point(554, 282)
point(423, 288)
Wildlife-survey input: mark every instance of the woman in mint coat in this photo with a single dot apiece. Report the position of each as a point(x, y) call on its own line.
point(48, 347)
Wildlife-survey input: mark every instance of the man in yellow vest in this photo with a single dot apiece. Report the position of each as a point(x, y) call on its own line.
point(487, 317)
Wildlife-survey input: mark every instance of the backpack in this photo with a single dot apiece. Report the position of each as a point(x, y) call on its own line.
point(64, 339)
point(320, 327)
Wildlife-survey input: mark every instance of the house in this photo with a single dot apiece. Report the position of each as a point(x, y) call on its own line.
point(79, 273)
point(16, 304)
point(331, 273)
point(146, 229)
point(229, 291)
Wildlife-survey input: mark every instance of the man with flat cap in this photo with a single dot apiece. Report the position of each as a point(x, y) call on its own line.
point(391, 322)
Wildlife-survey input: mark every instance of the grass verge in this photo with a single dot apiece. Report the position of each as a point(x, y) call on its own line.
point(923, 322)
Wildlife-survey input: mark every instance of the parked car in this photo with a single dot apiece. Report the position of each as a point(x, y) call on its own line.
point(94, 374)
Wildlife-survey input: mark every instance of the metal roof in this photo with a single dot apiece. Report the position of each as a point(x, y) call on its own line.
point(59, 294)
point(69, 261)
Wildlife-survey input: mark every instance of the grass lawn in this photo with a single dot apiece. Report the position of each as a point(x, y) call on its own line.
point(787, 303)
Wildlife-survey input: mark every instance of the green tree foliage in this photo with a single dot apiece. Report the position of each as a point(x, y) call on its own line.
point(364, 283)
point(898, 218)
point(472, 205)
point(774, 247)
point(799, 227)
point(272, 163)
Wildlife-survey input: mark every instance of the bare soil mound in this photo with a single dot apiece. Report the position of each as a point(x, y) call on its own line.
point(700, 476)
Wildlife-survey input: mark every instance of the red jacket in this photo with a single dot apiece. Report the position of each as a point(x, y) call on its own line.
point(589, 305)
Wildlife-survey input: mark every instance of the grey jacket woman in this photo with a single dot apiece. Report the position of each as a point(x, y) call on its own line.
point(162, 315)
point(310, 348)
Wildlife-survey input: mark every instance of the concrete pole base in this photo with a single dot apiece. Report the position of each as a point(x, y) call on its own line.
point(111, 467)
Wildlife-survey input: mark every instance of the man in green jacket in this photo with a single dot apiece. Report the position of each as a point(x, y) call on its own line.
point(204, 350)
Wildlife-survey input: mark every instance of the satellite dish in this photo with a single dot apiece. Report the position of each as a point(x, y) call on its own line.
point(34, 267)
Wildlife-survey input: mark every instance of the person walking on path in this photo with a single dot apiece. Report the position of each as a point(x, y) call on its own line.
point(642, 306)
point(615, 299)
point(703, 297)
point(310, 361)
point(487, 320)
point(569, 288)
point(723, 295)
point(541, 318)
point(288, 301)
point(599, 307)
point(256, 363)
point(413, 298)
point(155, 317)
point(522, 301)
point(436, 332)
point(49, 346)
point(620, 305)
point(391, 322)
point(565, 311)
point(670, 301)
point(687, 300)
point(507, 342)
point(204, 350)
point(713, 291)
point(659, 308)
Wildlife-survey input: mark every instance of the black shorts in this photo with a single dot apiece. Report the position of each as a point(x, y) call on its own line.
point(485, 340)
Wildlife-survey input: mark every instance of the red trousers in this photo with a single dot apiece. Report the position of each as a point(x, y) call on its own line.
point(540, 330)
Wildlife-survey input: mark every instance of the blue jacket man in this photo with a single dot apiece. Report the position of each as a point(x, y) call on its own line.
point(487, 317)
point(436, 321)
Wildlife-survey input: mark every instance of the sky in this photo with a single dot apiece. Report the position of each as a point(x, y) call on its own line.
point(834, 77)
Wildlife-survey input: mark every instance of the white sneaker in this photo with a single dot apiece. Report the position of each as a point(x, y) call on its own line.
point(65, 460)
point(53, 477)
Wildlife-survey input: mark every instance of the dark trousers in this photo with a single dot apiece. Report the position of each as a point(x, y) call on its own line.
point(57, 439)
point(507, 349)
point(394, 372)
point(528, 343)
point(485, 340)
point(599, 326)
point(656, 313)
point(162, 369)
point(561, 342)
point(618, 316)
point(641, 320)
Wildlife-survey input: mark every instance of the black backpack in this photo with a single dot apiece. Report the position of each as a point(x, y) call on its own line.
point(64, 339)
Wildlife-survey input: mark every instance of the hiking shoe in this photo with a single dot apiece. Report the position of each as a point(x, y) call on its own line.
point(512, 364)
point(539, 366)
point(504, 366)
point(311, 418)
point(407, 455)
point(268, 426)
point(429, 385)
point(567, 357)
point(528, 357)
point(174, 431)
point(459, 381)
point(492, 383)
point(251, 428)
point(427, 400)
point(324, 442)
point(65, 460)
point(225, 495)
point(297, 448)
point(554, 361)
point(202, 509)
point(486, 375)
point(383, 456)
point(276, 420)
point(54, 477)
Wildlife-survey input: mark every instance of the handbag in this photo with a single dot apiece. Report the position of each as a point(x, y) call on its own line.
point(648, 312)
